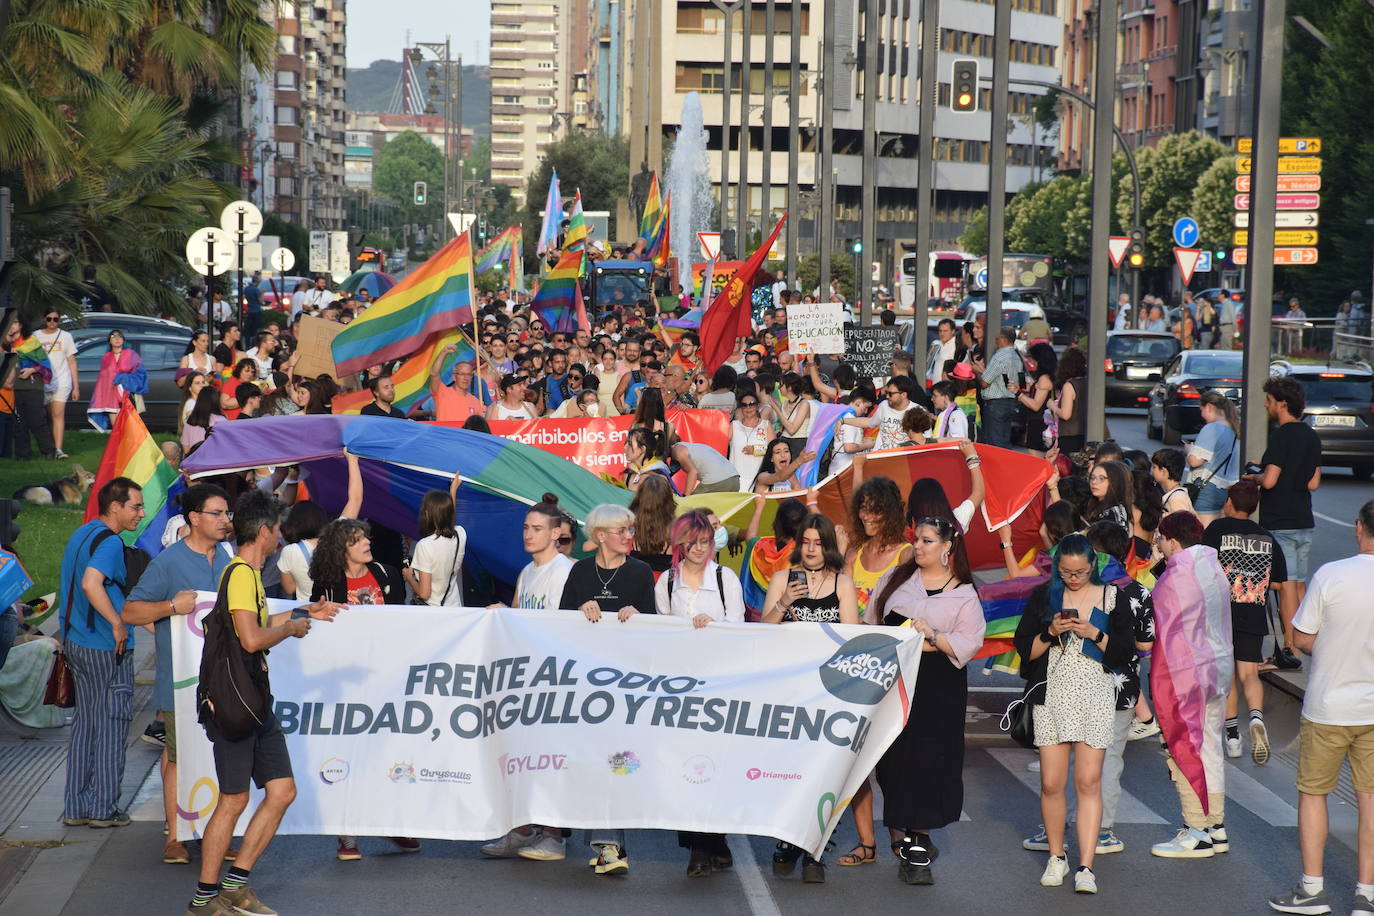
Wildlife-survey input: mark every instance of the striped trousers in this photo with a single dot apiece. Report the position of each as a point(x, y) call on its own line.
point(100, 730)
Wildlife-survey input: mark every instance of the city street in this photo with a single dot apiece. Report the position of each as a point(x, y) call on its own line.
point(981, 861)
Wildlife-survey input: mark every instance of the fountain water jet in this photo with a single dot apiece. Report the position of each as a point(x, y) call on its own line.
point(688, 177)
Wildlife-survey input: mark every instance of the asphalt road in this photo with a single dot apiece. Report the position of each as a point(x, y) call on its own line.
point(1334, 503)
point(981, 866)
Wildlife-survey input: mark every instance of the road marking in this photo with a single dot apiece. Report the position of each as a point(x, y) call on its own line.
point(1129, 810)
point(1334, 521)
point(756, 892)
point(1259, 800)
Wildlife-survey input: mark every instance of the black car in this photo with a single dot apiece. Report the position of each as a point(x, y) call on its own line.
point(1340, 407)
point(161, 357)
point(1135, 361)
point(1068, 323)
point(1175, 401)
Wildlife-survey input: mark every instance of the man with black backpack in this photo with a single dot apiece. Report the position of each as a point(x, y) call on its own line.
point(98, 646)
point(238, 718)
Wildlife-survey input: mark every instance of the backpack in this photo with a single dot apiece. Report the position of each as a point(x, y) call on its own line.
point(720, 588)
point(233, 691)
point(136, 560)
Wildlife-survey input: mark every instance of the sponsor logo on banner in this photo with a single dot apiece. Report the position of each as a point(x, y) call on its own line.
point(334, 770)
point(698, 769)
point(511, 764)
point(623, 763)
point(401, 772)
point(753, 774)
point(862, 670)
point(454, 777)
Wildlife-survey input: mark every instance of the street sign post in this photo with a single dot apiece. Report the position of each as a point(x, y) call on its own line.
point(1185, 232)
point(710, 244)
point(319, 251)
point(210, 251)
point(1284, 201)
point(242, 220)
point(1288, 219)
point(1288, 165)
point(1283, 257)
point(282, 260)
point(1309, 145)
point(1204, 263)
point(1288, 184)
point(1187, 259)
point(1281, 237)
point(1116, 248)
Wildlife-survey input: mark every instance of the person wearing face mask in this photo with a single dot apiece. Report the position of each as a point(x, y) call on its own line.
point(921, 774)
point(585, 404)
point(699, 589)
point(707, 469)
point(1075, 634)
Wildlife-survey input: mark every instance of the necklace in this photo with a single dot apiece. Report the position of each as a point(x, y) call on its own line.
point(606, 583)
point(942, 587)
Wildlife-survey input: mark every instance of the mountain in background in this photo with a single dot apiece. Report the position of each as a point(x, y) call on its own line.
point(370, 89)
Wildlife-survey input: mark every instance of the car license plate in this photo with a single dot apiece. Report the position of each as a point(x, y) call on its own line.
point(1147, 372)
point(1232, 393)
point(1334, 420)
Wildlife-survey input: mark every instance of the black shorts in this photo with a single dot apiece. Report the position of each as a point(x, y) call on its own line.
point(262, 756)
point(1248, 647)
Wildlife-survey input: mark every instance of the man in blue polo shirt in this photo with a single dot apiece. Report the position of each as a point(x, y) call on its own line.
point(98, 647)
point(168, 587)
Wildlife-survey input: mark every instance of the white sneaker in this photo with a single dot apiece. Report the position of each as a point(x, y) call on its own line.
point(548, 849)
point(1034, 765)
point(1233, 748)
point(1259, 742)
point(1188, 843)
point(1142, 730)
point(1220, 842)
point(1084, 882)
point(610, 861)
point(510, 844)
point(1055, 871)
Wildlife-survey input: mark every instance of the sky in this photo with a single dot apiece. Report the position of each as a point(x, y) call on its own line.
point(377, 28)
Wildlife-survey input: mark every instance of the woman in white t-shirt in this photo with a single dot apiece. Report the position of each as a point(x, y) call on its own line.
point(435, 573)
point(749, 435)
point(301, 531)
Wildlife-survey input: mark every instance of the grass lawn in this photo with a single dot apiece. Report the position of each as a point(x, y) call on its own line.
point(44, 530)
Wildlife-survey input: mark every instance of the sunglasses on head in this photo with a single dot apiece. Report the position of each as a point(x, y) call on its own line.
point(942, 526)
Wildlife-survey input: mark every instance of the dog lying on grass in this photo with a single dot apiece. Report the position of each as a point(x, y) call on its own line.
point(70, 490)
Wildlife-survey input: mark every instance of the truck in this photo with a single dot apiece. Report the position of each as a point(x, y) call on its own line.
point(617, 284)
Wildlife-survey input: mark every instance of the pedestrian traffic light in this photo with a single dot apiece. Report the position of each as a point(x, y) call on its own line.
point(1135, 251)
point(858, 246)
point(964, 86)
point(421, 193)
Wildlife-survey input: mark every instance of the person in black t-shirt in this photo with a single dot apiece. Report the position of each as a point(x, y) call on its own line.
point(1253, 564)
point(1292, 465)
point(383, 393)
point(610, 582)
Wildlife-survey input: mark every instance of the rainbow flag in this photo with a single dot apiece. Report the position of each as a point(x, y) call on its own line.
point(32, 356)
point(517, 260)
point(762, 558)
point(659, 243)
point(558, 303)
point(411, 378)
point(497, 251)
point(436, 296)
point(576, 237)
point(653, 211)
point(133, 453)
point(553, 218)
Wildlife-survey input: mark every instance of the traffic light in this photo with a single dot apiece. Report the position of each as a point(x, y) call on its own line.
point(964, 86)
point(421, 193)
point(858, 246)
point(1135, 251)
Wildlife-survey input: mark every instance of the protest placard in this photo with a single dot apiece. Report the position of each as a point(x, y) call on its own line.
point(869, 350)
point(314, 343)
point(816, 327)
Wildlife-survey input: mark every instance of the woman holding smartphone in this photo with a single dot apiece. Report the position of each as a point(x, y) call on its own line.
point(1075, 634)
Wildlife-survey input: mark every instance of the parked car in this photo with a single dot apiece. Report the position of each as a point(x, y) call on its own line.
point(273, 289)
point(1068, 323)
point(161, 355)
point(1135, 361)
point(1174, 406)
point(100, 324)
point(1340, 407)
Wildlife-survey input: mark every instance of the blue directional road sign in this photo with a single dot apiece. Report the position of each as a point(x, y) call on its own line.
point(1185, 232)
point(981, 279)
point(1204, 263)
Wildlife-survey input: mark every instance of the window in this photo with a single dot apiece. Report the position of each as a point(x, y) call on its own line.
point(287, 149)
point(286, 44)
point(287, 116)
point(159, 354)
point(288, 79)
point(286, 187)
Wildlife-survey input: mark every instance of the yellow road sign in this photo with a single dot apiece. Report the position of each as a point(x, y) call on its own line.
point(1288, 165)
point(1306, 145)
point(1301, 237)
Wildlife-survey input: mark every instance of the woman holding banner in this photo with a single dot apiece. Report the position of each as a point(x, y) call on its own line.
point(610, 582)
point(921, 774)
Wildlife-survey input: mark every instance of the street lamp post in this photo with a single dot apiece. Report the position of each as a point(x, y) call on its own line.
point(451, 78)
point(794, 141)
point(728, 11)
point(742, 207)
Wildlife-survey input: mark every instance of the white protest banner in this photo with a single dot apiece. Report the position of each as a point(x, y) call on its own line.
point(816, 327)
point(463, 723)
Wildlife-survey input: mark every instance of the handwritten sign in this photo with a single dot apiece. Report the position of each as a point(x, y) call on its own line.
point(869, 350)
point(816, 327)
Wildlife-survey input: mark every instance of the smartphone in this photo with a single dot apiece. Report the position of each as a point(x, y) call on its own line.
point(1069, 614)
point(300, 613)
point(796, 576)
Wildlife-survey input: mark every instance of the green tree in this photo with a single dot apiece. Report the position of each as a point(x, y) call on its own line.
point(1214, 203)
point(1053, 219)
point(404, 160)
point(974, 238)
point(1169, 173)
point(591, 162)
point(841, 271)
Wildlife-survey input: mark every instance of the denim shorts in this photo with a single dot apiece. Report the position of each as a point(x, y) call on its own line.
point(1296, 544)
point(1209, 500)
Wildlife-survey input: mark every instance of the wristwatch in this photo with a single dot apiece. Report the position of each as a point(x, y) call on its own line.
point(1097, 640)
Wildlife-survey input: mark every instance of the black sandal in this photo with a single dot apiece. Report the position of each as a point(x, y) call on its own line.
point(849, 858)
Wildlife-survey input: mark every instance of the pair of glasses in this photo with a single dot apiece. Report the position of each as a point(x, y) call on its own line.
point(564, 542)
point(228, 516)
point(52, 319)
point(749, 403)
point(628, 532)
point(1076, 575)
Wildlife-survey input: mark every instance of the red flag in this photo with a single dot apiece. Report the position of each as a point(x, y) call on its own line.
point(727, 319)
point(580, 309)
